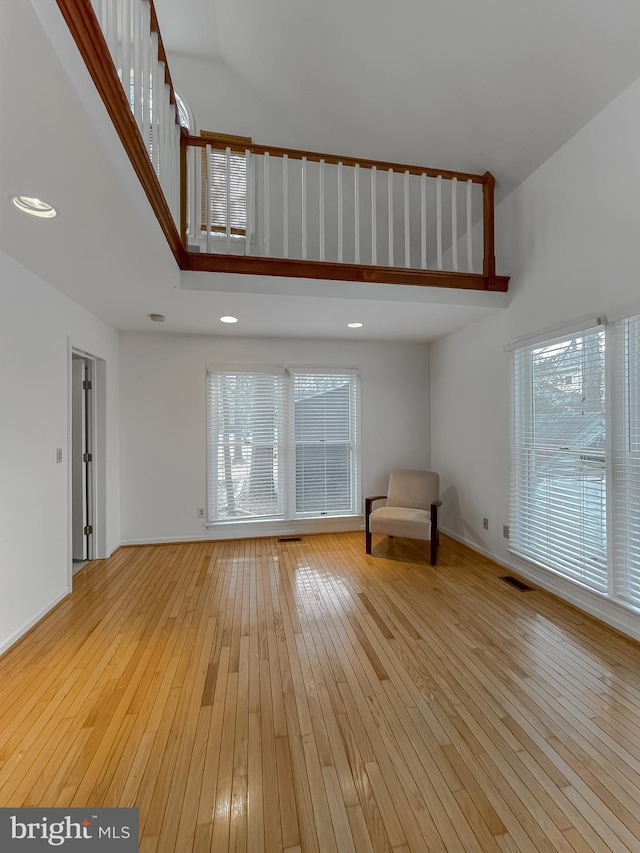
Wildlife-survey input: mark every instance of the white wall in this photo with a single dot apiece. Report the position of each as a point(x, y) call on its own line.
point(163, 419)
point(38, 325)
point(568, 237)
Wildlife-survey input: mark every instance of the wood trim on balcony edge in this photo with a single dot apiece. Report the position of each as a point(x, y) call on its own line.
point(87, 34)
point(291, 267)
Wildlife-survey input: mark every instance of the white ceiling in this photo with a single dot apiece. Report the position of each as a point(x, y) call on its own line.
point(460, 84)
point(325, 76)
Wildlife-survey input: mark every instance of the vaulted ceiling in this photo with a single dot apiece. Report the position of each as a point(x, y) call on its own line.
point(459, 84)
point(462, 84)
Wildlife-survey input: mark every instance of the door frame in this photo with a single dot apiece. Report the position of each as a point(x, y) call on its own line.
point(96, 415)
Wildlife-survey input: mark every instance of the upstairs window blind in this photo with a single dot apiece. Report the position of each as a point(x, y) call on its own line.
point(282, 444)
point(226, 173)
point(559, 496)
point(324, 443)
point(625, 504)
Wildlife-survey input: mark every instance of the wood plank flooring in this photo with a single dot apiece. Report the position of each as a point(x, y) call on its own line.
point(269, 696)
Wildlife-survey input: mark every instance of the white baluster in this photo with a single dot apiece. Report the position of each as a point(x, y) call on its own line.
point(228, 199)
point(112, 31)
point(374, 226)
point(356, 207)
point(126, 49)
point(253, 202)
point(454, 223)
point(102, 14)
point(208, 197)
point(304, 207)
point(146, 73)
point(340, 215)
point(439, 220)
point(155, 97)
point(423, 221)
point(321, 210)
point(469, 227)
point(390, 204)
point(249, 201)
point(117, 55)
point(162, 147)
point(138, 37)
point(285, 205)
point(407, 228)
point(267, 205)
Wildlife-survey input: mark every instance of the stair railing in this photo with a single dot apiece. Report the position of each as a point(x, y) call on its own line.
point(122, 47)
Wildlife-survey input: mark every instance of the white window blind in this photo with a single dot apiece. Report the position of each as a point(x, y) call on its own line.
point(282, 444)
point(325, 430)
point(625, 503)
point(224, 168)
point(245, 447)
point(559, 500)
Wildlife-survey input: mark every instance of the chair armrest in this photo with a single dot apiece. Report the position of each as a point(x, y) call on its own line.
point(369, 501)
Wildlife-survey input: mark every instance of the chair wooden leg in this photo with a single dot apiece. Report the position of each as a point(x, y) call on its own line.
point(367, 541)
point(435, 533)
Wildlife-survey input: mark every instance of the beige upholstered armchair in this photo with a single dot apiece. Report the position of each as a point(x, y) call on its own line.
point(411, 511)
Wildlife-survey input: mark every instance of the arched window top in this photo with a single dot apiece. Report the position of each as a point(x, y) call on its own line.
point(185, 114)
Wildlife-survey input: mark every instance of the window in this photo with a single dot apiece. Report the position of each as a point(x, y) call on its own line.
point(185, 116)
point(224, 184)
point(282, 443)
point(625, 504)
point(560, 457)
point(576, 457)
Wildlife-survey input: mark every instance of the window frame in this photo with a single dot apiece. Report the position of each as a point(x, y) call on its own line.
point(287, 457)
point(621, 378)
point(553, 524)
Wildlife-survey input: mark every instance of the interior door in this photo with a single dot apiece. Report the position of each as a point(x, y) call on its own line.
point(81, 458)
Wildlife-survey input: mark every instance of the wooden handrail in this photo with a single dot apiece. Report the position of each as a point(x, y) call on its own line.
point(222, 142)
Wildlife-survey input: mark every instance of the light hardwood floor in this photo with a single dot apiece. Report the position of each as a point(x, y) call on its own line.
point(299, 696)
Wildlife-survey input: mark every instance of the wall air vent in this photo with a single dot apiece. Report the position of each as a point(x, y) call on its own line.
point(290, 539)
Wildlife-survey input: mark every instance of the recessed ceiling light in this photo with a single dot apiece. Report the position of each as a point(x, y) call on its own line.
point(157, 318)
point(355, 325)
point(34, 206)
point(228, 319)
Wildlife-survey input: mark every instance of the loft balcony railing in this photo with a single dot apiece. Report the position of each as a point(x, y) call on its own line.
point(229, 205)
point(283, 211)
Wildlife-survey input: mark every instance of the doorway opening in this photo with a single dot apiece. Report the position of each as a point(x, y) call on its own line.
point(82, 460)
point(87, 459)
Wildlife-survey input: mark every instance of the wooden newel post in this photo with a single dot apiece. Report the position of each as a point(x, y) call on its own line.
point(489, 262)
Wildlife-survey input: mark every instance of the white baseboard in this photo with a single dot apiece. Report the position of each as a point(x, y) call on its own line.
point(618, 615)
point(256, 529)
point(5, 644)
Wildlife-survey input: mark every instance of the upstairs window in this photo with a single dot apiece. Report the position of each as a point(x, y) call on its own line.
point(224, 184)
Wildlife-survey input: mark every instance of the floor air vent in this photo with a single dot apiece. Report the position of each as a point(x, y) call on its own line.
point(290, 539)
point(518, 584)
